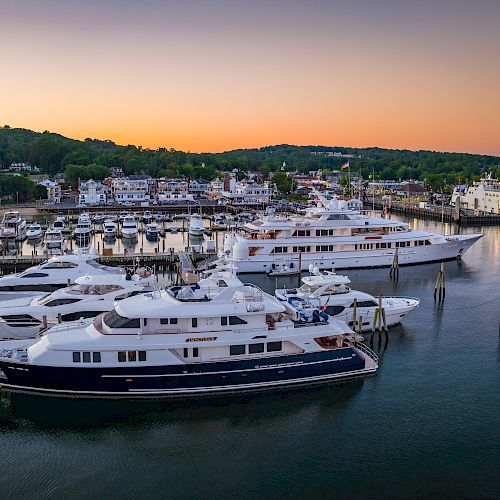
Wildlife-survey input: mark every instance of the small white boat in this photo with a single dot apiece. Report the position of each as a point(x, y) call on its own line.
point(99, 218)
point(147, 216)
point(83, 229)
point(174, 229)
point(152, 231)
point(283, 271)
point(34, 232)
point(13, 226)
point(109, 228)
point(54, 241)
point(60, 223)
point(129, 227)
point(196, 227)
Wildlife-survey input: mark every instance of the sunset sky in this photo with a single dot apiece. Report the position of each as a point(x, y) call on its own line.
point(213, 75)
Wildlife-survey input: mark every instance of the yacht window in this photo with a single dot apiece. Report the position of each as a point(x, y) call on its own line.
point(334, 310)
point(19, 319)
point(302, 249)
point(60, 265)
point(338, 217)
point(196, 352)
point(96, 357)
point(128, 294)
point(234, 320)
point(222, 284)
point(86, 357)
point(61, 302)
point(35, 275)
point(142, 355)
point(236, 350)
point(194, 322)
point(80, 314)
point(365, 303)
point(255, 348)
point(76, 357)
point(166, 321)
point(274, 346)
point(223, 320)
point(186, 352)
point(114, 320)
point(427, 242)
point(280, 250)
point(132, 355)
point(122, 356)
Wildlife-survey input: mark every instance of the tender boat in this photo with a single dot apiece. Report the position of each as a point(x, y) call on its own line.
point(330, 292)
point(283, 270)
point(336, 236)
point(152, 231)
point(55, 273)
point(129, 227)
point(217, 337)
point(60, 223)
point(109, 228)
point(83, 227)
point(195, 226)
point(54, 242)
point(34, 232)
point(89, 296)
point(13, 226)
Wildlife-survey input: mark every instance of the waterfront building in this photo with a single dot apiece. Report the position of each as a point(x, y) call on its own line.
point(198, 187)
point(249, 193)
point(54, 193)
point(128, 189)
point(482, 196)
point(23, 167)
point(173, 190)
point(92, 193)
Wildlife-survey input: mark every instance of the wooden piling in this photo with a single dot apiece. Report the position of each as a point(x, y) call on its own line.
point(440, 287)
point(394, 273)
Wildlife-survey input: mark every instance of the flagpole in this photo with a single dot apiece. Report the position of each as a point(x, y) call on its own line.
point(349, 174)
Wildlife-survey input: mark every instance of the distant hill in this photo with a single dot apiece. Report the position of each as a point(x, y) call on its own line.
point(54, 153)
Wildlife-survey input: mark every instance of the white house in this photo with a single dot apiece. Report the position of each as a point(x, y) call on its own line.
point(53, 190)
point(173, 190)
point(133, 190)
point(482, 196)
point(198, 187)
point(249, 193)
point(92, 193)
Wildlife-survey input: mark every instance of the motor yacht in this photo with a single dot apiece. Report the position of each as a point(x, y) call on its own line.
point(99, 218)
point(195, 226)
point(147, 217)
point(34, 232)
point(54, 242)
point(122, 215)
point(332, 294)
point(152, 231)
point(83, 227)
point(335, 236)
point(90, 295)
point(190, 341)
point(60, 223)
point(57, 272)
point(129, 227)
point(13, 226)
point(109, 228)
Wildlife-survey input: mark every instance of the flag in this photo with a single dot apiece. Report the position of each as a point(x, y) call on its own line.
point(345, 165)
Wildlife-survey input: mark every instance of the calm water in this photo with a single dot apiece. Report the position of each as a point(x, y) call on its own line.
point(428, 424)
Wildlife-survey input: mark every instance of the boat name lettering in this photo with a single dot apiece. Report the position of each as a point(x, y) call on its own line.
point(201, 339)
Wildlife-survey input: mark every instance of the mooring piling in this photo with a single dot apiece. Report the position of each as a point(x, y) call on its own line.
point(440, 288)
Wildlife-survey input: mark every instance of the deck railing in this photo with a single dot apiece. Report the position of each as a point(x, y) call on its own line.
point(365, 349)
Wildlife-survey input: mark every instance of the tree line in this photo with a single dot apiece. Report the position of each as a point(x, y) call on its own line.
point(53, 153)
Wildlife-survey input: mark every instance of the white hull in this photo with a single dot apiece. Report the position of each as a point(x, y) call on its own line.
point(128, 234)
point(196, 232)
point(453, 248)
point(34, 236)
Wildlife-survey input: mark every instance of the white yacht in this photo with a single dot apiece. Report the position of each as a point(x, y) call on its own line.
point(152, 231)
point(54, 242)
point(220, 336)
point(332, 294)
point(332, 236)
point(147, 217)
point(109, 228)
point(83, 227)
point(99, 218)
point(34, 232)
point(129, 227)
point(195, 226)
point(91, 295)
point(60, 223)
point(13, 226)
point(57, 272)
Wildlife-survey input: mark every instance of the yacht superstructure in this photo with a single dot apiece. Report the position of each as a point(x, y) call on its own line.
point(13, 226)
point(129, 227)
point(220, 336)
point(196, 227)
point(334, 236)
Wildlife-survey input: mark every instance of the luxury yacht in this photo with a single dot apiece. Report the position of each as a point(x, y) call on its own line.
point(152, 231)
point(147, 217)
point(195, 226)
point(332, 294)
point(129, 227)
point(60, 223)
point(334, 236)
point(91, 295)
point(83, 229)
point(109, 228)
point(34, 232)
point(13, 226)
point(198, 340)
point(56, 273)
point(54, 241)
